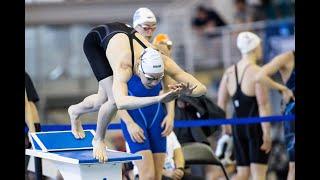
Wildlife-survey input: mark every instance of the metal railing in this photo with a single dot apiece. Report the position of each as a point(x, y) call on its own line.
point(218, 49)
point(55, 52)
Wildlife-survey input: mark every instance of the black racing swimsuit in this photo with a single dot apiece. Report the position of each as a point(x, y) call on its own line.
point(247, 138)
point(96, 43)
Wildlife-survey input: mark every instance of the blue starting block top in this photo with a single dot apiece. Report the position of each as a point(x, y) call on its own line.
point(60, 141)
point(63, 146)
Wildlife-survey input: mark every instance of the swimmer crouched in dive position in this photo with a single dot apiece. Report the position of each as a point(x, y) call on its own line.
point(116, 52)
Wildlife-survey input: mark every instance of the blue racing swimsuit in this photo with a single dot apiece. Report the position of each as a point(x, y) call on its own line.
point(149, 118)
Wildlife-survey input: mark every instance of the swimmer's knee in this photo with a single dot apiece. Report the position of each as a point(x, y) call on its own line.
point(146, 171)
point(109, 104)
point(112, 103)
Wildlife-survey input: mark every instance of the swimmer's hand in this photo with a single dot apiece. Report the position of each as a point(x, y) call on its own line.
point(267, 143)
point(178, 174)
point(186, 89)
point(171, 95)
point(99, 150)
point(167, 124)
point(136, 133)
point(169, 173)
point(175, 174)
point(287, 95)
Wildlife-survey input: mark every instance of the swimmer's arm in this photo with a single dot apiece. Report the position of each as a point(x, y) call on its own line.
point(120, 92)
point(122, 72)
point(178, 158)
point(223, 98)
point(28, 115)
point(276, 64)
point(167, 80)
point(125, 116)
point(177, 74)
point(264, 105)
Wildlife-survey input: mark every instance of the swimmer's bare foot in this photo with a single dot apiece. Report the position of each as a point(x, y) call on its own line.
point(99, 150)
point(76, 126)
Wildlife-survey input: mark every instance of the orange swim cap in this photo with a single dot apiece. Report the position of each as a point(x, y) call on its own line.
point(162, 39)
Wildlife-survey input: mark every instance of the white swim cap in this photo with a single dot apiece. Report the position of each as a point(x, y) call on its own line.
point(247, 41)
point(151, 61)
point(143, 15)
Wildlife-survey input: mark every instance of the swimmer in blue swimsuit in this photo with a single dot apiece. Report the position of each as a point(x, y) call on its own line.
point(285, 64)
point(149, 119)
point(145, 129)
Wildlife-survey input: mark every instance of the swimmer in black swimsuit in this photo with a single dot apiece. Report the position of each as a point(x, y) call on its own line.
point(116, 52)
point(252, 142)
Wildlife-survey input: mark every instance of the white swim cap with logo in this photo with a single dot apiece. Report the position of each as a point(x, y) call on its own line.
point(247, 41)
point(151, 61)
point(143, 15)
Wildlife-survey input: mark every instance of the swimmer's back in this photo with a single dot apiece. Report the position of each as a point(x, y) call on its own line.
point(246, 74)
point(105, 32)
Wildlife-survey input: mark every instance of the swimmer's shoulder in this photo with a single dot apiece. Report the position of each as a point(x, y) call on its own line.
point(119, 44)
point(253, 69)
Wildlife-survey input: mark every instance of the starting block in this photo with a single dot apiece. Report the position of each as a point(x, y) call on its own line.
point(73, 157)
